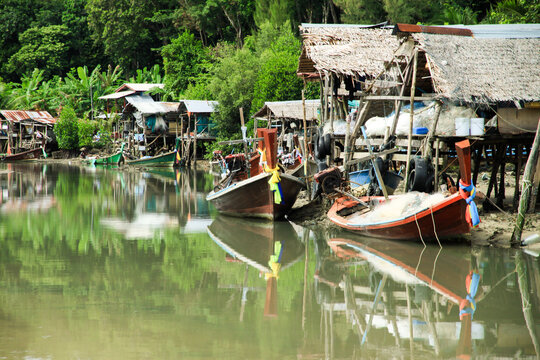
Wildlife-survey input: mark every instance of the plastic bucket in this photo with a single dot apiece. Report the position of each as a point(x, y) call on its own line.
point(463, 126)
point(477, 126)
point(358, 178)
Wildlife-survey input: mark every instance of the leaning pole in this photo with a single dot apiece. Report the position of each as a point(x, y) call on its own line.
point(526, 188)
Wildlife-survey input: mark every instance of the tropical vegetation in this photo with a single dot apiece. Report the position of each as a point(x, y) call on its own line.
point(68, 53)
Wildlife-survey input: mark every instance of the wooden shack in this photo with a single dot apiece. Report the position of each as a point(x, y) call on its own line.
point(487, 72)
point(288, 117)
point(22, 130)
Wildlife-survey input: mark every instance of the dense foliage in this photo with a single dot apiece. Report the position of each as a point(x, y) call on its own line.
point(68, 53)
point(67, 129)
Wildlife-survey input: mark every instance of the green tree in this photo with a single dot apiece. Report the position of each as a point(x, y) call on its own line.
point(361, 11)
point(43, 48)
point(124, 29)
point(183, 60)
point(276, 78)
point(514, 11)
point(67, 130)
point(85, 132)
point(412, 11)
point(232, 85)
point(25, 95)
point(276, 12)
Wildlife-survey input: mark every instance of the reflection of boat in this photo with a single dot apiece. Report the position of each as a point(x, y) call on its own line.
point(114, 159)
point(252, 241)
point(268, 247)
point(143, 226)
point(43, 204)
point(435, 217)
point(455, 279)
point(25, 155)
point(264, 193)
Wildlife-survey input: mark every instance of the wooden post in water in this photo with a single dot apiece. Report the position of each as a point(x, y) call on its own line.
point(409, 145)
point(195, 141)
point(526, 301)
point(526, 188)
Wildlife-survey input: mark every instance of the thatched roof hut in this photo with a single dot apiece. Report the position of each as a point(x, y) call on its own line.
point(482, 70)
point(354, 50)
point(289, 110)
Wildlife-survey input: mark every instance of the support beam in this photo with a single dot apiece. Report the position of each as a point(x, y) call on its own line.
point(413, 89)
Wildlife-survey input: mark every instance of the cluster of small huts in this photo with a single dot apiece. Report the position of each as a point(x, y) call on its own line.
point(423, 87)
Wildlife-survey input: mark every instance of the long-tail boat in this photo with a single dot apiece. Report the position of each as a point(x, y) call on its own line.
point(24, 155)
point(447, 217)
point(114, 159)
point(168, 159)
point(259, 189)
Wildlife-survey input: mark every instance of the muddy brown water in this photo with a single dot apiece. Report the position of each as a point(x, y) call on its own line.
point(103, 263)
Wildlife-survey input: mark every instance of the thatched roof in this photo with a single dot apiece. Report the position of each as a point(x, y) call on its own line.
point(289, 110)
point(345, 50)
point(483, 70)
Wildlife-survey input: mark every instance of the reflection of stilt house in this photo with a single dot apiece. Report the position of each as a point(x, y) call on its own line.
point(24, 130)
point(480, 82)
point(288, 116)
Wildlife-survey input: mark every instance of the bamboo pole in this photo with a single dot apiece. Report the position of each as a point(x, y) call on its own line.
point(428, 148)
point(409, 145)
point(526, 189)
point(195, 141)
point(306, 152)
point(536, 186)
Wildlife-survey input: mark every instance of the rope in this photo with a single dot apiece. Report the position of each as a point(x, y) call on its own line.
point(434, 229)
point(509, 123)
point(419, 232)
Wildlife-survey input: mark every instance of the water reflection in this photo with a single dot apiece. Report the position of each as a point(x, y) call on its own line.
point(87, 272)
point(268, 247)
point(450, 302)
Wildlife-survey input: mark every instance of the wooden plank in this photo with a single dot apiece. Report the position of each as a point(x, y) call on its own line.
point(239, 141)
point(398, 98)
point(368, 156)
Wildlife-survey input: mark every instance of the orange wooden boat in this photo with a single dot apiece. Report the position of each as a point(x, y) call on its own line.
point(442, 219)
point(25, 155)
point(249, 192)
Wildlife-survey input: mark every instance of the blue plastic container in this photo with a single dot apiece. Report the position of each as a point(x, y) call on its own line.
point(420, 130)
point(358, 178)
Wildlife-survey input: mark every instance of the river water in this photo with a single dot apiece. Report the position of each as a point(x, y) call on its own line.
point(108, 264)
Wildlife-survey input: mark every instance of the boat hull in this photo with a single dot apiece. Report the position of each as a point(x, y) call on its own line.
point(444, 219)
point(252, 197)
point(25, 155)
point(109, 160)
point(165, 160)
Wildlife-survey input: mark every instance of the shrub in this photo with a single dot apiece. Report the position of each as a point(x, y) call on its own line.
point(86, 132)
point(67, 129)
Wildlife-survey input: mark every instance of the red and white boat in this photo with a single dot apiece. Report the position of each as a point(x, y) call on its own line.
point(445, 217)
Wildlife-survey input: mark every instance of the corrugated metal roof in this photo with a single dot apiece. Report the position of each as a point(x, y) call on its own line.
point(146, 105)
point(139, 87)
point(503, 31)
point(200, 106)
point(118, 95)
point(42, 117)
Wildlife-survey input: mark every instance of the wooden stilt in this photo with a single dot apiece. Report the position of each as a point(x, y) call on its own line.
point(477, 160)
point(195, 141)
point(428, 147)
point(502, 188)
point(437, 145)
point(409, 145)
point(499, 151)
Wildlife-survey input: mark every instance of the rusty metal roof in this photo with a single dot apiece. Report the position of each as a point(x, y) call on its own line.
point(442, 30)
point(139, 87)
point(42, 117)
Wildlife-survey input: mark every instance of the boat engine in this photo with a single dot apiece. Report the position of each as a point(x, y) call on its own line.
point(329, 179)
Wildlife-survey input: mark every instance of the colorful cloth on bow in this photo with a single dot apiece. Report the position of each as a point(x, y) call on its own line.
point(468, 305)
point(471, 215)
point(275, 184)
